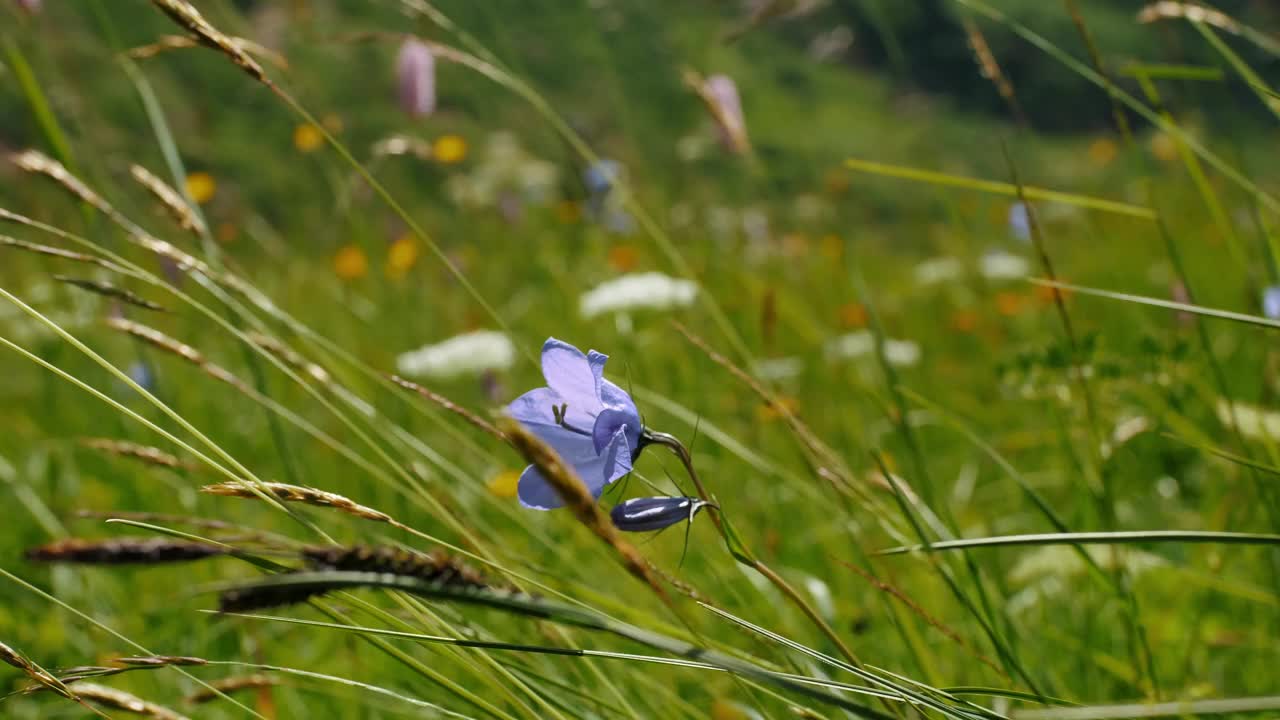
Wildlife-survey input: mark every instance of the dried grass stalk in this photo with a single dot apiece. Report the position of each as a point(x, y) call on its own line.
point(232, 684)
point(51, 251)
point(290, 357)
point(990, 69)
point(111, 291)
point(299, 494)
point(144, 453)
point(577, 498)
point(120, 700)
point(33, 671)
point(186, 16)
point(161, 660)
point(1169, 10)
point(158, 339)
point(187, 218)
point(34, 161)
point(449, 405)
point(182, 42)
point(122, 551)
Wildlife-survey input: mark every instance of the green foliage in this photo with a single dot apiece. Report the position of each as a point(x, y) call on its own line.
point(1101, 481)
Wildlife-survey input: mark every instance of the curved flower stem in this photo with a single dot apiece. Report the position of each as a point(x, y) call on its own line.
point(672, 443)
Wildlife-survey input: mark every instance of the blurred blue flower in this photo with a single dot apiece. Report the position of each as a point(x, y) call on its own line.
point(140, 373)
point(600, 178)
point(1271, 302)
point(1020, 221)
point(592, 423)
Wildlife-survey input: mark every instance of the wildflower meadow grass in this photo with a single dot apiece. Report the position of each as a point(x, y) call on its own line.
point(912, 408)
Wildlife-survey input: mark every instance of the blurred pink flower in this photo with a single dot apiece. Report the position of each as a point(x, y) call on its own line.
point(722, 93)
point(31, 6)
point(416, 73)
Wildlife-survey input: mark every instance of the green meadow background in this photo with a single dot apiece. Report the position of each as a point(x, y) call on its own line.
point(883, 147)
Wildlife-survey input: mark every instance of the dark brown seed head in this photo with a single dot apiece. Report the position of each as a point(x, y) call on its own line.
point(436, 567)
point(121, 551)
point(241, 600)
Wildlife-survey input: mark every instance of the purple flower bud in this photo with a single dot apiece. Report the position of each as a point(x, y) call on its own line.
point(646, 514)
point(416, 74)
point(726, 106)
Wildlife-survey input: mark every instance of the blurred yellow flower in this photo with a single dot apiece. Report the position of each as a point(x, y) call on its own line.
point(1103, 151)
point(768, 412)
point(201, 187)
point(1164, 147)
point(504, 483)
point(623, 258)
point(402, 256)
point(351, 263)
point(449, 149)
point(307, 137)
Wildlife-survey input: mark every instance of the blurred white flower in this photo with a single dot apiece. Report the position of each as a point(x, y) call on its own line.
point(637, 291)
point(854, 345)
point(779, 368)
point(903, 353)
point(1252, 421)
point(938, 270)
point(468, 354)
point(1001, 265)
point(1065, 561)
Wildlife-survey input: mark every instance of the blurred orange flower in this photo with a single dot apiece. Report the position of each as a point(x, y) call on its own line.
point(1045, 294)
point(624, 258)
point(1009, 303)
point(449, 149)
point(227, 232)
point(965, 321)
point(401, 257)
point(201, 187)
point(307, 137)
point(853, 315)
point(351, 263)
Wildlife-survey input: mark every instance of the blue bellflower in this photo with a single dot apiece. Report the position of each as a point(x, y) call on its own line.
point(592, 423)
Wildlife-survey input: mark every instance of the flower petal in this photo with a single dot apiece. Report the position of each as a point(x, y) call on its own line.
point(535, 406)
point(569, 373)
point(535, 492)
point(609, 422)
point(596, 471)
